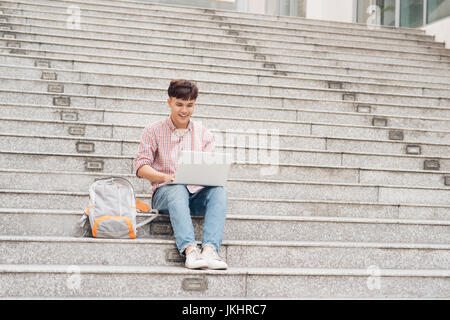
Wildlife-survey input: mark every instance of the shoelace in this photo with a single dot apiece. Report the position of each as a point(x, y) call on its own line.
point(195, 252)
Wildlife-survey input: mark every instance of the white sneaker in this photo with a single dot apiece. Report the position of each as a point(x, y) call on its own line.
point(213, 259)
point(194, 260)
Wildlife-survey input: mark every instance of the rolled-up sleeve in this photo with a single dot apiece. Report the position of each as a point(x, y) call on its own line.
point(146, 151)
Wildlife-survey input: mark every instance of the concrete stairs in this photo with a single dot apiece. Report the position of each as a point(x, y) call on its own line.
point(360, 203)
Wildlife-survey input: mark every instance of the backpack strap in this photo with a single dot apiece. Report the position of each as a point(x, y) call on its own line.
point(150, 219)
point(144, 207)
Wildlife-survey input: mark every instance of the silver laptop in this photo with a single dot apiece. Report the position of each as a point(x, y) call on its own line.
point(202, 168)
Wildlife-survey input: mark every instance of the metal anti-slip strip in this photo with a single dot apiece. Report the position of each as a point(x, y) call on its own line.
point(195, 284)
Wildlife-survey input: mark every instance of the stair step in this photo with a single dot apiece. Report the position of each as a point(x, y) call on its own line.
point(294, 66)
point(250, 254)
point(247, 85)
point(160, 21)
point(53, 200)
point(34, 222)
point(241, 169)
point(53, 40)
point(277, 97)
point(98, 280)
point(249, 162)
point(226, 126)
point(77, 181)
point(227, 135)
point(261, 40)
point(269, 155)
point(104, 76)
point(243, 17)
point(96, 113)
point(212, 113)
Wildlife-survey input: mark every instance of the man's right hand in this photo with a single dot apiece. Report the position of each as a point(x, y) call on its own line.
point(152, 175)
point(169, 178)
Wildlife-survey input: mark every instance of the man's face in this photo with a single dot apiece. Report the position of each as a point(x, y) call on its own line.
point(181, 111)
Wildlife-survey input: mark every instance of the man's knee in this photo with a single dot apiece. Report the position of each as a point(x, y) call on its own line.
point(218, 193)
point(169, 195)
point(176, 192)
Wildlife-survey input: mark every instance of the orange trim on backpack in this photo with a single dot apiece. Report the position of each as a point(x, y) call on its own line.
point(127, 220)
point(87, 209)
point(142, 206)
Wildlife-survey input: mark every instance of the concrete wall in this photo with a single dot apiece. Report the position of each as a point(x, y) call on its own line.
point(331, 10)
point(440, 29)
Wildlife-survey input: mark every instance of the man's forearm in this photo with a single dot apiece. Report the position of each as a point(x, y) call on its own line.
point(152, 175)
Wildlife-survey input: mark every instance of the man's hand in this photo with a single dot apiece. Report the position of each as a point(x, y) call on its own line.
point(152, 175)
point(169, 178)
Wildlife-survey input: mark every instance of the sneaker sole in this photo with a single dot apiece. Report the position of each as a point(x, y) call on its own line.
point(195, 267)
point(217, 268)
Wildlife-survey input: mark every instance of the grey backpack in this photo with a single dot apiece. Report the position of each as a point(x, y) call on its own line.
point(112, 210)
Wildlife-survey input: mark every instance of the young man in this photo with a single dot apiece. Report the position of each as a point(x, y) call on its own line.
point(156, 161)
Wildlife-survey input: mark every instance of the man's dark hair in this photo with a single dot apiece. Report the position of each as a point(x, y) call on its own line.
point(183, 89)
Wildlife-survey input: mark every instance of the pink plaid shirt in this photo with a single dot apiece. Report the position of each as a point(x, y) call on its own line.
point(159, 145)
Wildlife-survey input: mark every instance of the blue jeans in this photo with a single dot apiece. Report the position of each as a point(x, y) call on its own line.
point(210, 202)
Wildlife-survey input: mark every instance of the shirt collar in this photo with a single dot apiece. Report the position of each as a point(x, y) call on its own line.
point(172, 126)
